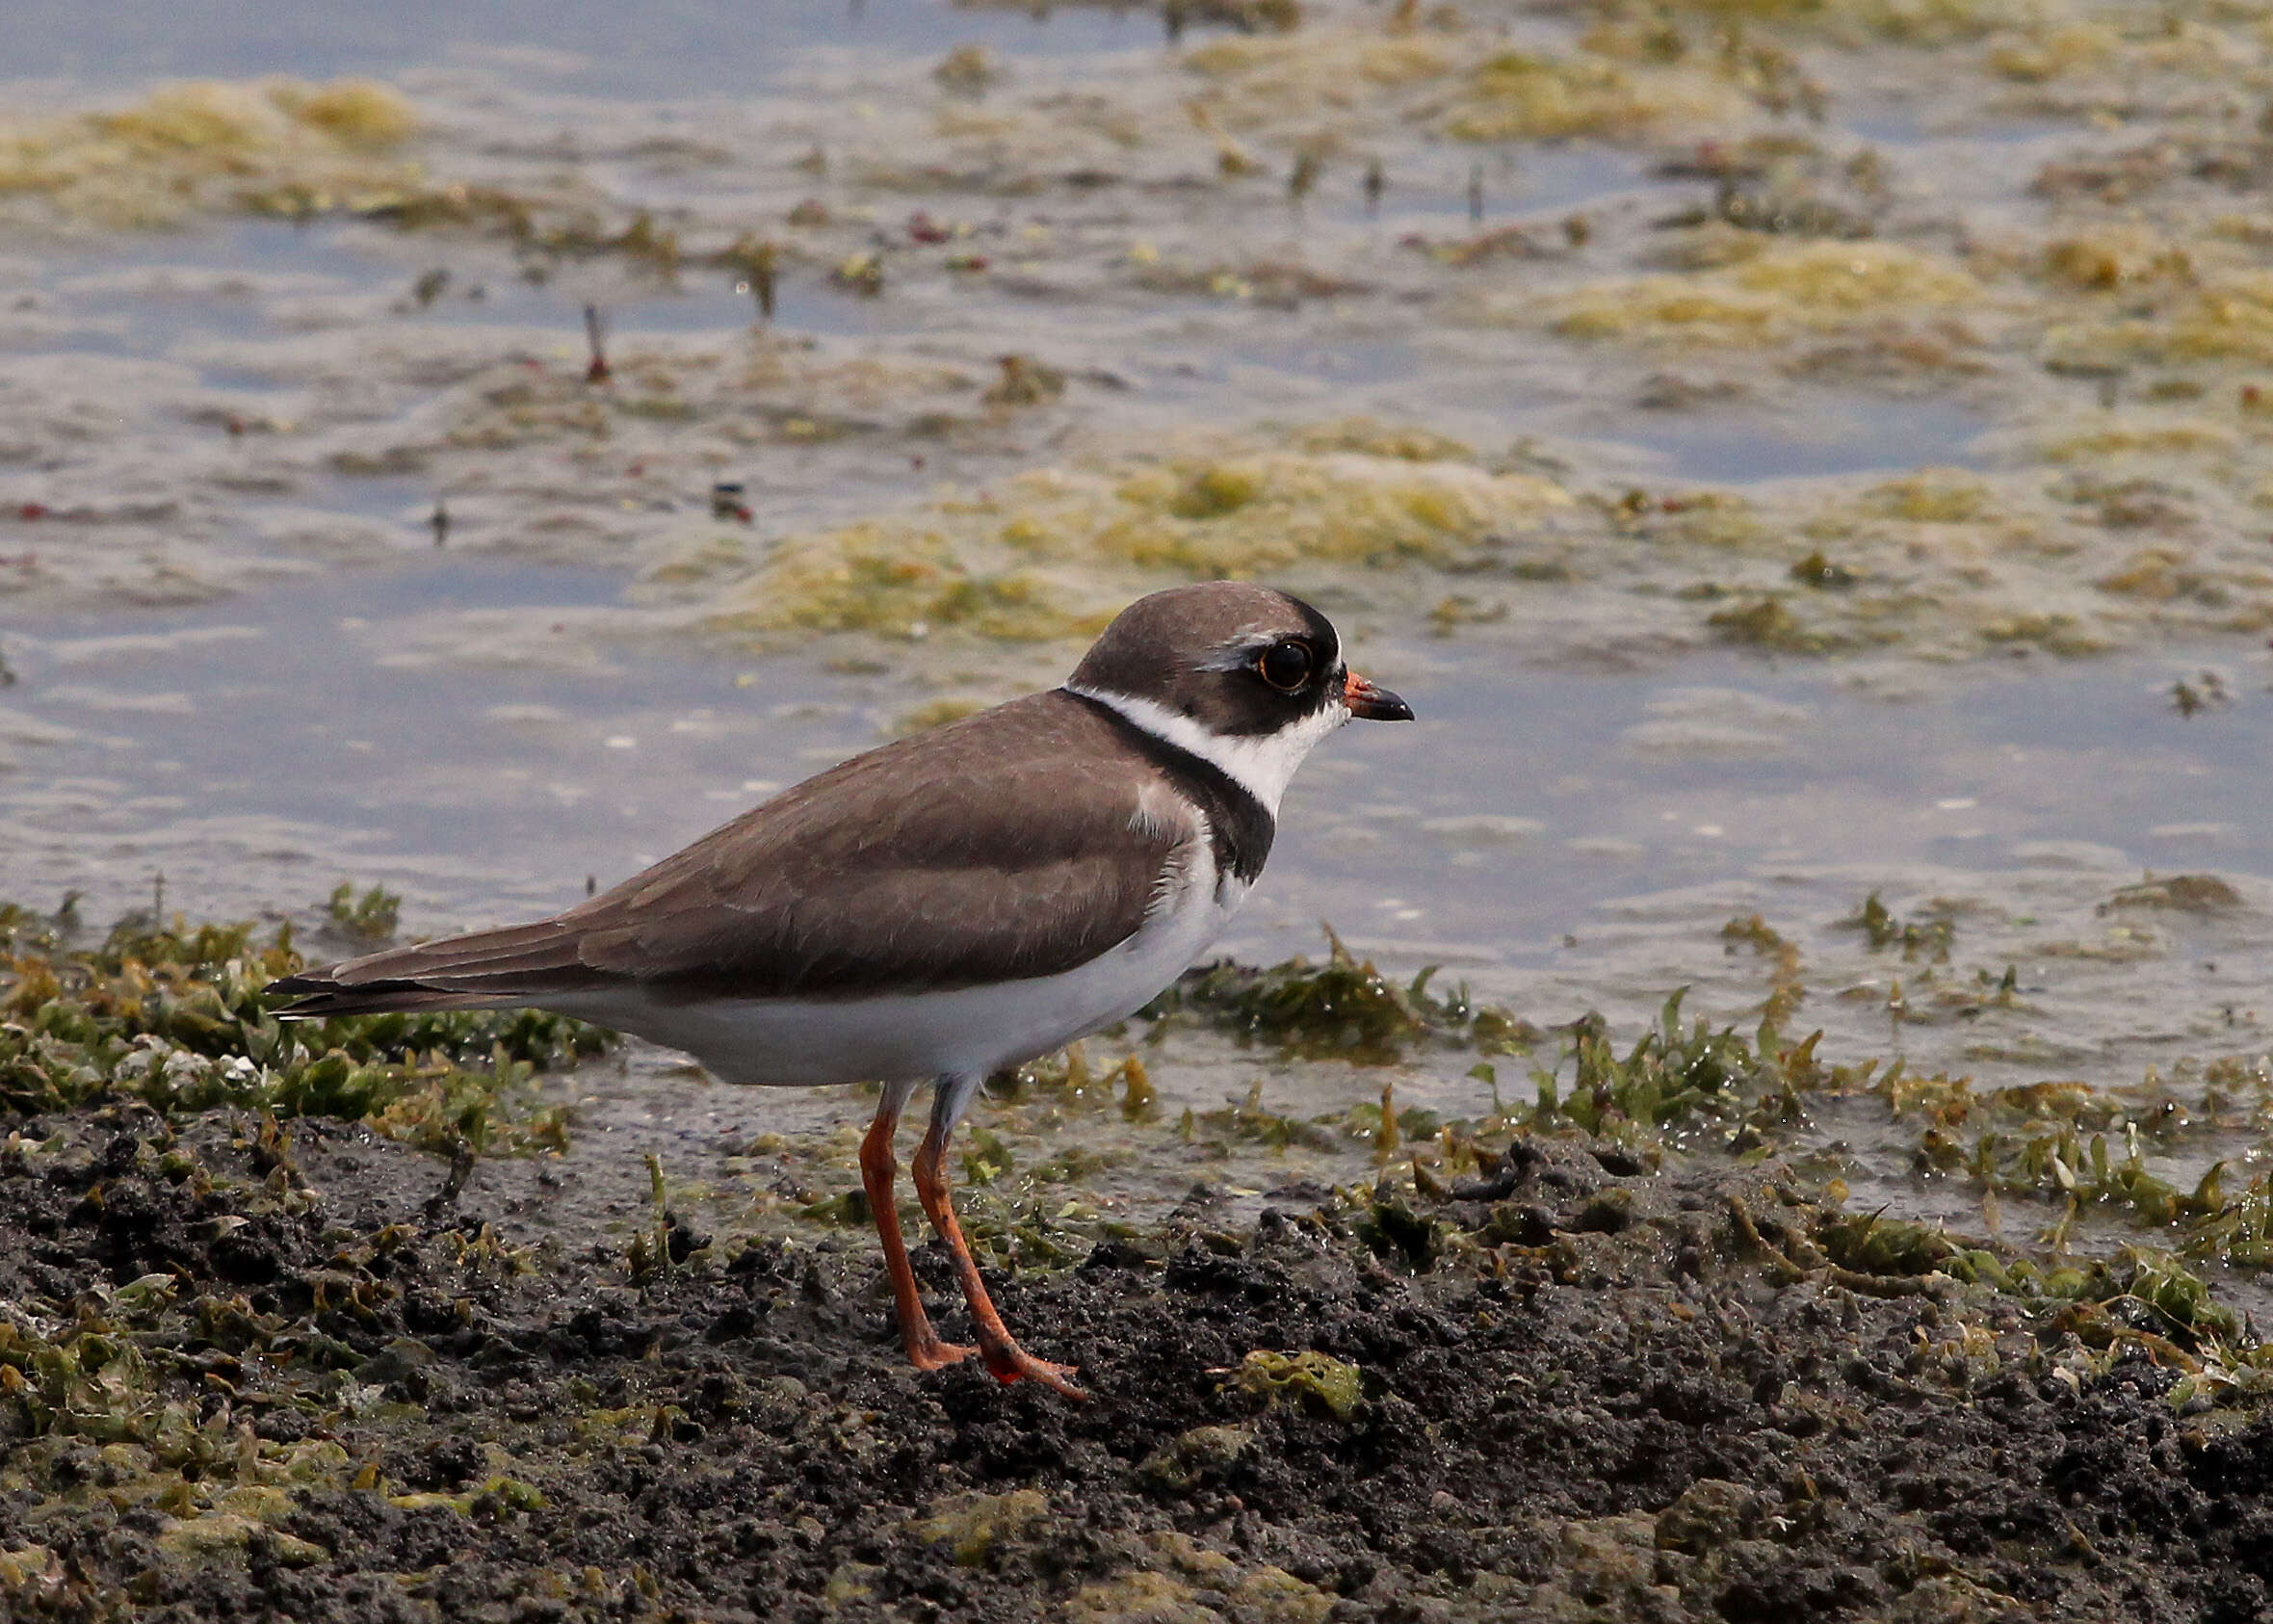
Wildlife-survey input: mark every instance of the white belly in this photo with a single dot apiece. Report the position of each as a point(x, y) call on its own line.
point(912, 1037)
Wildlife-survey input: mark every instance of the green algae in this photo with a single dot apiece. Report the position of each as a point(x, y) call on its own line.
point(1931, 496)
point(2136, 1300)
point(207, 145)
point(1856, 25)
point(2086, 1150)
point(1248, 1120)
point(1344, 1009)
point(1867, 1244)
point(1929, 939)
point(1172, 1578)
point(2139, 1295)
point(1772, 294)
point(1369, 436)
point(1067, 1078)
point(2185, 893)
point(1333, 1386)
point(1990, 303)
point(1787, 989)
point(1196, 1454)
point(1674, 1078)
point(1769, 625)
point(1396, 1232)
point(1519, 95)
point(1047, 554)
point(871, 580)
point(975, 1526)
point(370, 919)
point(142, 1398)
point(2217, 316)
point(174, 1016)
point(497, 1496)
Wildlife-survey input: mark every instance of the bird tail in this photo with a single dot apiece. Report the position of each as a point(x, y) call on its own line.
point(498, 969)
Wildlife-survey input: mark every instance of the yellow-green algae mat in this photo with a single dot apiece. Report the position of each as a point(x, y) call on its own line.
point(2101, 309)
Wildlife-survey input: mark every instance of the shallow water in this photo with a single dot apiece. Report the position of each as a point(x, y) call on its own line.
point(1560, 839)
point(690, 47)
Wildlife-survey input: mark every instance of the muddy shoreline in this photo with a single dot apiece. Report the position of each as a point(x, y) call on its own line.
point(1579, 1387)
point(379, 1320)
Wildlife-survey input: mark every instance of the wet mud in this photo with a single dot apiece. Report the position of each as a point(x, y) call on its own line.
point(1585, 1384)
point(342, 1322)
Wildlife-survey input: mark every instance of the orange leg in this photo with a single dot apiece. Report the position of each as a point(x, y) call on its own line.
point(925, 1350)
point(1005, 1359)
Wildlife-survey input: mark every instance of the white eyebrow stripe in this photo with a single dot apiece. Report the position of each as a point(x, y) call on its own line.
point(1234, 655)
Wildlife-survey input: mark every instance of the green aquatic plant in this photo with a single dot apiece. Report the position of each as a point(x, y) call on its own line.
point(1249, 1121)
point(2236, 1230)
point(1344, 1009)
point(1870, 1244)
point(173, 1015)
point(1766, 624)
point(1929, 939)
point(1672, 1077)
point(2186, 893)
point(370, 918)
point(2149, 1293)
point(1787, 990)
point(2139, 1296)
point(1067, 1078)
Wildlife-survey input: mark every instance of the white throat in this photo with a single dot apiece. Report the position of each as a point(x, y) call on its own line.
point(1259, 763)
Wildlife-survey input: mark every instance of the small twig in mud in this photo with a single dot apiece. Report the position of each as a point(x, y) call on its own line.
point(461, 1168)
point(595, 333)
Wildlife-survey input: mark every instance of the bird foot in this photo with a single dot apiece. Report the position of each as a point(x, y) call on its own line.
point(1008, 1363)
point(933, 1354)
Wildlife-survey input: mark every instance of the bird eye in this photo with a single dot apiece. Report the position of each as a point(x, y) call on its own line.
point(1286, 665)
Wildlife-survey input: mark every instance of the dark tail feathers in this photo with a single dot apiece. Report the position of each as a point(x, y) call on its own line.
point(488, 969)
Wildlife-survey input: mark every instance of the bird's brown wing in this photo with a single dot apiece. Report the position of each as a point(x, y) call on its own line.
point(992, 848)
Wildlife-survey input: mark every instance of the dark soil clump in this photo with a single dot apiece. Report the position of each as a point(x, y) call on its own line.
point(1580, 1389)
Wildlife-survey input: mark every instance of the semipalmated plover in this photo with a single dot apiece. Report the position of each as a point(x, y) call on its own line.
point(946, 905)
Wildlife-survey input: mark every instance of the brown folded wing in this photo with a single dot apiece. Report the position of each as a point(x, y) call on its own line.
point(988, 849)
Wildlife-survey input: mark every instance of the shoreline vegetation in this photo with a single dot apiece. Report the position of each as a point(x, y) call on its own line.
point(270, 1337)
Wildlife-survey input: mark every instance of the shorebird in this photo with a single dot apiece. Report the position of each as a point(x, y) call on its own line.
point(946, 905)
